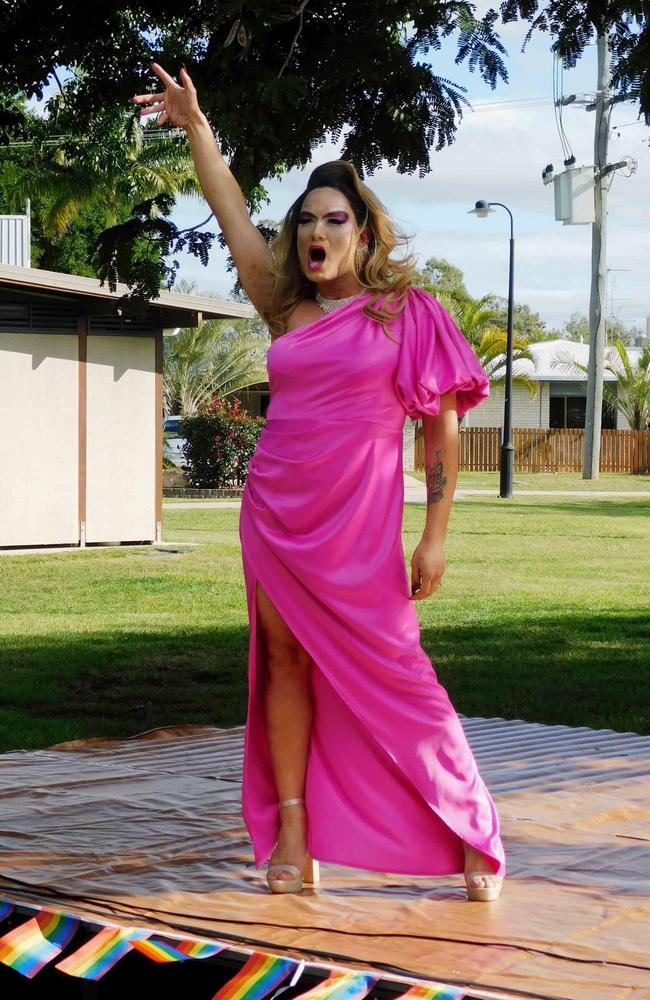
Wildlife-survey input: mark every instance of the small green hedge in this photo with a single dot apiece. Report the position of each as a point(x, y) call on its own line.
point(219, 444)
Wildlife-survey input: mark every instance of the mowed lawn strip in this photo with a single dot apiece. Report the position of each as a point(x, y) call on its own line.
point(543, 615)
point(607, 482)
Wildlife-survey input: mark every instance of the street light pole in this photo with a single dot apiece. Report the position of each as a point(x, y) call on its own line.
point(506, 467)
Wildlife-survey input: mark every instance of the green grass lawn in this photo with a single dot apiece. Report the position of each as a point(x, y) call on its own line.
point(543, 615)
point(553, 481)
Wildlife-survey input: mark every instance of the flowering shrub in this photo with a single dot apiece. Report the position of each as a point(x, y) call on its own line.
point(219, 444)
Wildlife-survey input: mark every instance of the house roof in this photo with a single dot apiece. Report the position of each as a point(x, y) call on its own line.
point(554, 361)
point(174, 306)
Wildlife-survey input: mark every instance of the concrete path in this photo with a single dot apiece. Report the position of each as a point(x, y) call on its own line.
point(201, 504)
point(415, 492)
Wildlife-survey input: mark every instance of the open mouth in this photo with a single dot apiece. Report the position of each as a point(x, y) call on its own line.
point(316, 256)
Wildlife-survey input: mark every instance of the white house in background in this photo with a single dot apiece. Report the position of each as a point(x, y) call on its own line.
point(81, 407)
point(561, 395)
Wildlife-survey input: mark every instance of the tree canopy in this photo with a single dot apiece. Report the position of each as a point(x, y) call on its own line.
point(80, 185)
point(273, 78)
point(439, 275)
point(276, 78)
point(574, 24)
point(577, 328)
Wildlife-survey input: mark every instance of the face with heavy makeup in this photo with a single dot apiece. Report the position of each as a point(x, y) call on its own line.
point(328, 238)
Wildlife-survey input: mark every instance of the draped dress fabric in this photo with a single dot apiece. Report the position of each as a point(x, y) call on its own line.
point(391, 784)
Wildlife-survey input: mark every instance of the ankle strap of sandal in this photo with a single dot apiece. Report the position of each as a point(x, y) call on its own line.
point(292, 802)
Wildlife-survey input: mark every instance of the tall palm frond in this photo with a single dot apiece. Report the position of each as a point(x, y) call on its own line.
point(476, 320)
point(218, 358)
point(71, 176)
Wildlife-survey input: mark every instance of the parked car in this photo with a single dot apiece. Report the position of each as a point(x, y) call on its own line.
point(173, 442)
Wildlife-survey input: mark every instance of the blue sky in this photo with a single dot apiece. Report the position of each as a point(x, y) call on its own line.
point(499, 152)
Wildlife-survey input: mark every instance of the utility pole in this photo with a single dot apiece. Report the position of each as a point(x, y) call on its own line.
point(597, 309)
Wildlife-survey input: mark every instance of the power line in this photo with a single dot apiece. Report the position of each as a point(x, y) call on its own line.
point(56, 140)
point(558, 106)
point(507, 105)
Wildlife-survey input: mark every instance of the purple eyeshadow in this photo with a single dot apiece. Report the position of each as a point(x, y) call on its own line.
point(334, 216)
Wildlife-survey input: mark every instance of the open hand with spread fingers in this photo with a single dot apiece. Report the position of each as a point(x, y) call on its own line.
point(177, 104)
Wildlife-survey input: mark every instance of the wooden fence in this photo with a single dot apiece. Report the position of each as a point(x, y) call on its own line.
point(545, 450)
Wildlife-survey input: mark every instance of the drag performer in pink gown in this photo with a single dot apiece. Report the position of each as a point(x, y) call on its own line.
point(354, 753)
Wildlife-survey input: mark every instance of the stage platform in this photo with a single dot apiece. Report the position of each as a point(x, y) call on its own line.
point(147, 832)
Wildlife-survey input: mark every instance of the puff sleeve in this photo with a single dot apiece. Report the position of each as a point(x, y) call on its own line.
point(435, 358)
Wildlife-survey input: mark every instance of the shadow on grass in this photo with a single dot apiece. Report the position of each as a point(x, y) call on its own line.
point(616, 507)
point(120, 683)
point(590, 668)
point(576, 669)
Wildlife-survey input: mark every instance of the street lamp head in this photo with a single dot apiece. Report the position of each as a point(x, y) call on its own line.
point(481, 209)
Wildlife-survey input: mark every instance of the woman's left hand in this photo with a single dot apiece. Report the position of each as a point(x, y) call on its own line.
point(427, 568)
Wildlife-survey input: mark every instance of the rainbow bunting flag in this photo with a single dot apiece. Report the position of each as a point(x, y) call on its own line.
point(342, 986)
point(434, 991)
point(5, 909)
point(258, 977)
point(97, 956)
point(35, 943)
point(159, 950)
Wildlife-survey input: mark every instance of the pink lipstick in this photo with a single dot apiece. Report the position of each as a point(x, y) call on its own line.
point(316, 257)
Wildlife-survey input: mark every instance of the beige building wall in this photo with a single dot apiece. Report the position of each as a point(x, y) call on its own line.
point(121, 439)
point(39, 443)
point(527, 410)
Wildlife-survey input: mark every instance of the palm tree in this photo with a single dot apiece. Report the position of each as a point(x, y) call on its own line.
point(477, 319)
point(632, 397)
point(116, 165)
point(218, 358)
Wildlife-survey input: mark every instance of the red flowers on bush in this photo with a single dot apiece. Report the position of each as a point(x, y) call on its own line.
point(219, 444)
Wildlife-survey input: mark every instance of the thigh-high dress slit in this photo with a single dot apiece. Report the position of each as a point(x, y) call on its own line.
point(391, 783)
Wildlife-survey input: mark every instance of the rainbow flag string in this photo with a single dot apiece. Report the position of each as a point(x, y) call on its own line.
point(97, 956)
point(30, 947)
point(342, 986)
point(434, 991)
point(35, 943)
point(159, 950)
point(258, 977)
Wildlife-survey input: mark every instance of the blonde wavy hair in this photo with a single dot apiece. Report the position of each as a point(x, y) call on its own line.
point(377, 271)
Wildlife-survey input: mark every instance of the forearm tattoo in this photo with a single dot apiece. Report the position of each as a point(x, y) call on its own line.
point(436, 482)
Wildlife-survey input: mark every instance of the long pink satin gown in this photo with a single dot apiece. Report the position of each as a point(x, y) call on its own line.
point(391, 784)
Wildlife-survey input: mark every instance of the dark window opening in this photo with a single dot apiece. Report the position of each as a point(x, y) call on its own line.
point(569, 411)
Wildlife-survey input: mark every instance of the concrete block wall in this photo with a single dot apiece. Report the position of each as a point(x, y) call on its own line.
point(408, 463)
point(527, 411)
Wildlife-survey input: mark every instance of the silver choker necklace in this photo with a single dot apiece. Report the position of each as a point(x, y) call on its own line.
point(328, 305)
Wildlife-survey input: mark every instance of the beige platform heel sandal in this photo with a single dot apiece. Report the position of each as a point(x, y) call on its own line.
point(310, 875)
point(483, 893)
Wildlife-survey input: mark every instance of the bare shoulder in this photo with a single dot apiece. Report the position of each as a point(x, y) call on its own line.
point(303, 313)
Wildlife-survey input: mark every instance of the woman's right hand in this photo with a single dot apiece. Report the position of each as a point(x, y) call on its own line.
point(177, 104)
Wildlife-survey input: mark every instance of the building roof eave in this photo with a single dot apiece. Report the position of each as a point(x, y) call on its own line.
point(177, 309)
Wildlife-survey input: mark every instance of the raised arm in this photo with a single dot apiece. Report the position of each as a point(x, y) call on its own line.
point(178, 105)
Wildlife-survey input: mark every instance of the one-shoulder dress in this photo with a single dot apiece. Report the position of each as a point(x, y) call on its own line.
point(392, 784)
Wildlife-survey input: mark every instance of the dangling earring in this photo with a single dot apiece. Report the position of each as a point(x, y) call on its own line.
point(362, 256)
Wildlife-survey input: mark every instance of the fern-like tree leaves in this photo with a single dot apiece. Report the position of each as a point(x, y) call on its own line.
point(135, 251)
point(574, 24)
point(275, 80)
